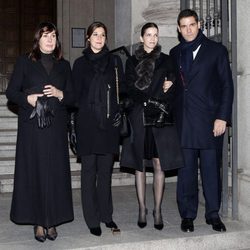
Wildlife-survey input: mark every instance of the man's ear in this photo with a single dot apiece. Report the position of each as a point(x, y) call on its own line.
point(199, 24)
point(179, 29)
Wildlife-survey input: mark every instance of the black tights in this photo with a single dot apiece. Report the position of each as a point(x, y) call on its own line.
point(158, 187)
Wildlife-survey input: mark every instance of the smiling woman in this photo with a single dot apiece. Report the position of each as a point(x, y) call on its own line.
point(97, 139)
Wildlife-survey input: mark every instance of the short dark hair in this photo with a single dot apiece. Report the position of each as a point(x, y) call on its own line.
point(43, 27)
point(146, 26)
point(93, 26)
point(187, 13)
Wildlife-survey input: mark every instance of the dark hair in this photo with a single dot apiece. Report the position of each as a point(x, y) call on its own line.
point(146, 26)
point(187, 13)
point(92, 27)
point(43, 27)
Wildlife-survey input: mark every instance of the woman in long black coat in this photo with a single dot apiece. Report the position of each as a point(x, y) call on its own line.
point(145, 74)
point(97, 139)
point(41, 85)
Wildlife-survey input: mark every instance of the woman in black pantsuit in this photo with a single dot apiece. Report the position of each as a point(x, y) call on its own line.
point(146, 72)
point(97, 138)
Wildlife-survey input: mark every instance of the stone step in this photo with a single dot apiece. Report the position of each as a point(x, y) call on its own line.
point(5, 111)
point(7, 149)
point(7, 122)
point(118, 179)
point(7, 165)
point(8, 135)
point(3, 99)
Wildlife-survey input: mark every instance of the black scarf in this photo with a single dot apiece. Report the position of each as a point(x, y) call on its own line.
point(187, 49)
point(98, 87)
point(145, 67)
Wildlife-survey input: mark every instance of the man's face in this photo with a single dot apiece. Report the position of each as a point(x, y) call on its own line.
point(189, 28)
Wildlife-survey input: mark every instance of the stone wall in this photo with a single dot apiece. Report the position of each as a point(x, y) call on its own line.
point(80, 14)
point(243, 89)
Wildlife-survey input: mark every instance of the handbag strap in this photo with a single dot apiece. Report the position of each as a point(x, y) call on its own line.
point(117, 82)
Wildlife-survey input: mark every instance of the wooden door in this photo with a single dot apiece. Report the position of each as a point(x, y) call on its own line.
point(18, 20)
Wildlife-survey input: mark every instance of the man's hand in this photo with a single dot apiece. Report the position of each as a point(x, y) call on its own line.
point(219, 127)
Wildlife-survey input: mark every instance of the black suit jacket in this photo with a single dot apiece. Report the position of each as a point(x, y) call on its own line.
point(205, 97)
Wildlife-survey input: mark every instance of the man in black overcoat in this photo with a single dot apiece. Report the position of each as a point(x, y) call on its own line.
point(203, 109)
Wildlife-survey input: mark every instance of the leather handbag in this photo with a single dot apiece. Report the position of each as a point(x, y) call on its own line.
point(121, 119)
point(156, 113)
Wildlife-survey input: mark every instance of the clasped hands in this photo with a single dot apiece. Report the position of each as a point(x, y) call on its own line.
point(42, 110)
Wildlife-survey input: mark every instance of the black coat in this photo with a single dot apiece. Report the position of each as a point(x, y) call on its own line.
point(165, 138)
point(42, 184)
point(207, 96)
point(91, 137)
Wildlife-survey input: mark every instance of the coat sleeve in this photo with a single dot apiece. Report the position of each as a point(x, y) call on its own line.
point(226, 87)
point(169, 96)
point(14, 91)
point(68, 93)
point(76, 73)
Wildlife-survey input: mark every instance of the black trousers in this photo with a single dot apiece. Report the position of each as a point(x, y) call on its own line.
point(96, 188)
point(187, 185)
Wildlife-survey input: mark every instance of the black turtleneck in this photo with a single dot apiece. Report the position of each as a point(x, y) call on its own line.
point(47, 61)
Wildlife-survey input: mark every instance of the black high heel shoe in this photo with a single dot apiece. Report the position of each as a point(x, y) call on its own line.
point(111, 225)
point(142, 219)
point(39, 237)
point(96, 231)
point(51, 233)
point(158, 222)
point(114, 228)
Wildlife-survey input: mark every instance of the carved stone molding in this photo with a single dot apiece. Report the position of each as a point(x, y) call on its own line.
point(164, 14)
point(162, 11)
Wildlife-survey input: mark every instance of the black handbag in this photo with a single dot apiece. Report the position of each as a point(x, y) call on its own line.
point(121, 119)
point(156, 113)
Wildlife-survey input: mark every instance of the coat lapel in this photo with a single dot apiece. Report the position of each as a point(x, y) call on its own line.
point(195, 66)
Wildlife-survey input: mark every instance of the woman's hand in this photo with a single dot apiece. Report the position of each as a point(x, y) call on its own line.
point(50, 90)
point(33, 98)
point(166, 85)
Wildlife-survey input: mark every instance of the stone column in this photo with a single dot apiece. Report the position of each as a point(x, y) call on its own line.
point(243, 37)
point(164, 13)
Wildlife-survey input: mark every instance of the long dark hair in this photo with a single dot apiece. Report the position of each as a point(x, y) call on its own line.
point(43, 27)
point(92, 27)
point(146, 26)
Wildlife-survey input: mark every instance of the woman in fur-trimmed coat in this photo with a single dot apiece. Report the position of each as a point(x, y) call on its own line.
point(146, 72)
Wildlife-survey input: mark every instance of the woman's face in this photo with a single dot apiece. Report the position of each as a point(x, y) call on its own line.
point(97, 39)
point(47, 42)
point(150, 39)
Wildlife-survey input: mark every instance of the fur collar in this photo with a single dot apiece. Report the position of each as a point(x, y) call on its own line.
point(145, 67)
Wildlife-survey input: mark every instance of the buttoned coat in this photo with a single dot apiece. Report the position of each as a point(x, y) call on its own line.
point(42, 185)
point(166, 138)
point(91, 139)
point(206, 96)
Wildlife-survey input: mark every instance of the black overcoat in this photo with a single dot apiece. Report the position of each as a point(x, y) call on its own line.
point(91, 138)
point(205, 97)
point(42, 184)
point(166, 138)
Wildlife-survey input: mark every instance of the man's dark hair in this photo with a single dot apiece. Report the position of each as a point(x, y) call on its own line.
point(187, 13)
